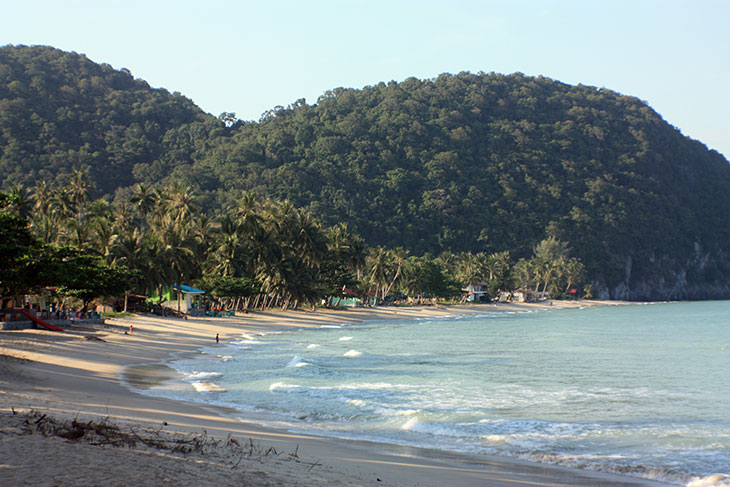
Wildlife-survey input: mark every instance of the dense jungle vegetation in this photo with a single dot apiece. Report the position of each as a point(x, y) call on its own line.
point(257, 254)
point(460, 163)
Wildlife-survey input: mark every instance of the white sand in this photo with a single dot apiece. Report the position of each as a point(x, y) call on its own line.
point(65, 375)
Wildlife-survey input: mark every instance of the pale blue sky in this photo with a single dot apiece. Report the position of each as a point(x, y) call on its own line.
point(249, 56)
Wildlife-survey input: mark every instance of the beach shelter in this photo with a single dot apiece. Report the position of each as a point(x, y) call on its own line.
point(190, 293)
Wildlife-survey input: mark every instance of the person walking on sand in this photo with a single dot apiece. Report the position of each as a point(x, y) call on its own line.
point(216, 338)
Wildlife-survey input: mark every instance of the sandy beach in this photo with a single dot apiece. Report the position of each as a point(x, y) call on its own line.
point(83, 375)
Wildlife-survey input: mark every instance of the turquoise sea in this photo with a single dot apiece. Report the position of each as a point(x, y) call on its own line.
point(641, 389)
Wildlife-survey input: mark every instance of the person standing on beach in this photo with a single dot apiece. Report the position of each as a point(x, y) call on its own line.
point(216, 338)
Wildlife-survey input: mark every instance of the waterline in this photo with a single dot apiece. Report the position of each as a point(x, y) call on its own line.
point(633, 389)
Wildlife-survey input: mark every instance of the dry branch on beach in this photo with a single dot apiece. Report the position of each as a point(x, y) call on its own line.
point(106, 433)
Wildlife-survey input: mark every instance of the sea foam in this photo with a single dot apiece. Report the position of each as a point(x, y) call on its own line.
point(205, 386)
point(297, 361)
point(717, 480)
point(282, 385)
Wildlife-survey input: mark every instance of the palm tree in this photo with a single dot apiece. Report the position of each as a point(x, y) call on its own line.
point(102, 236)
point(79, 188)
point(497, 267)
point(124, 219)
point(227, 255)
point(61, 201)
point(385, 268)
point(21, 202)
point(378, 264)
point(41, 197)
point(308, 240)
point(574, 272)
point(144, 198)
point(46, 227)
point(471, 268)
point(345, 253)
point(246, 209)
point(550, 258)
point(45, 221)
point(523, 272)
point(175, 252)
point(62, 206)
point(129, 249)
point(179, 202)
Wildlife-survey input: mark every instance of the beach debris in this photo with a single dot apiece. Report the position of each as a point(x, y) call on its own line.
point(106, 433)
point(94, 338)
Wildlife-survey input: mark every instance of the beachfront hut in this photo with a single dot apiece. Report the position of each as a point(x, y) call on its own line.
point(192, 297)
point(476, 293)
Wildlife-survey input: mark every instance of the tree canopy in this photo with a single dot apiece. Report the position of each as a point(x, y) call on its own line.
point(469, 162)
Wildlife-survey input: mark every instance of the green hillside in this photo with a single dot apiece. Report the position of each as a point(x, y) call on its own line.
point(477, 162)
point(60, 111)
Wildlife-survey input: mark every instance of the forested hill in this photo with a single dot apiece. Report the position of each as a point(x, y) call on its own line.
point(481, 162)
point(60, 111)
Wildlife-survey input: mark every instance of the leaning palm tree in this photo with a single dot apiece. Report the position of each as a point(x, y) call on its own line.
point(378, 265)
point(398, 257)
point(385, 268)
point(574, 272)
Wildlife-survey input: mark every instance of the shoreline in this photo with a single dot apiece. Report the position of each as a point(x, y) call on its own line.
point(66, 375)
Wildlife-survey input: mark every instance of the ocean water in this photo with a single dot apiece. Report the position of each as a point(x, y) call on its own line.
point(642, 390)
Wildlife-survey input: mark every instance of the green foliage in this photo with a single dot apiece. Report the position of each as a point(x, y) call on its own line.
point(29, 265)
point(17, 250)
point(550, 269)
point(60, 111)
point(424, 276)
point(477, 163)
point(78, 274)
point(228, 287)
